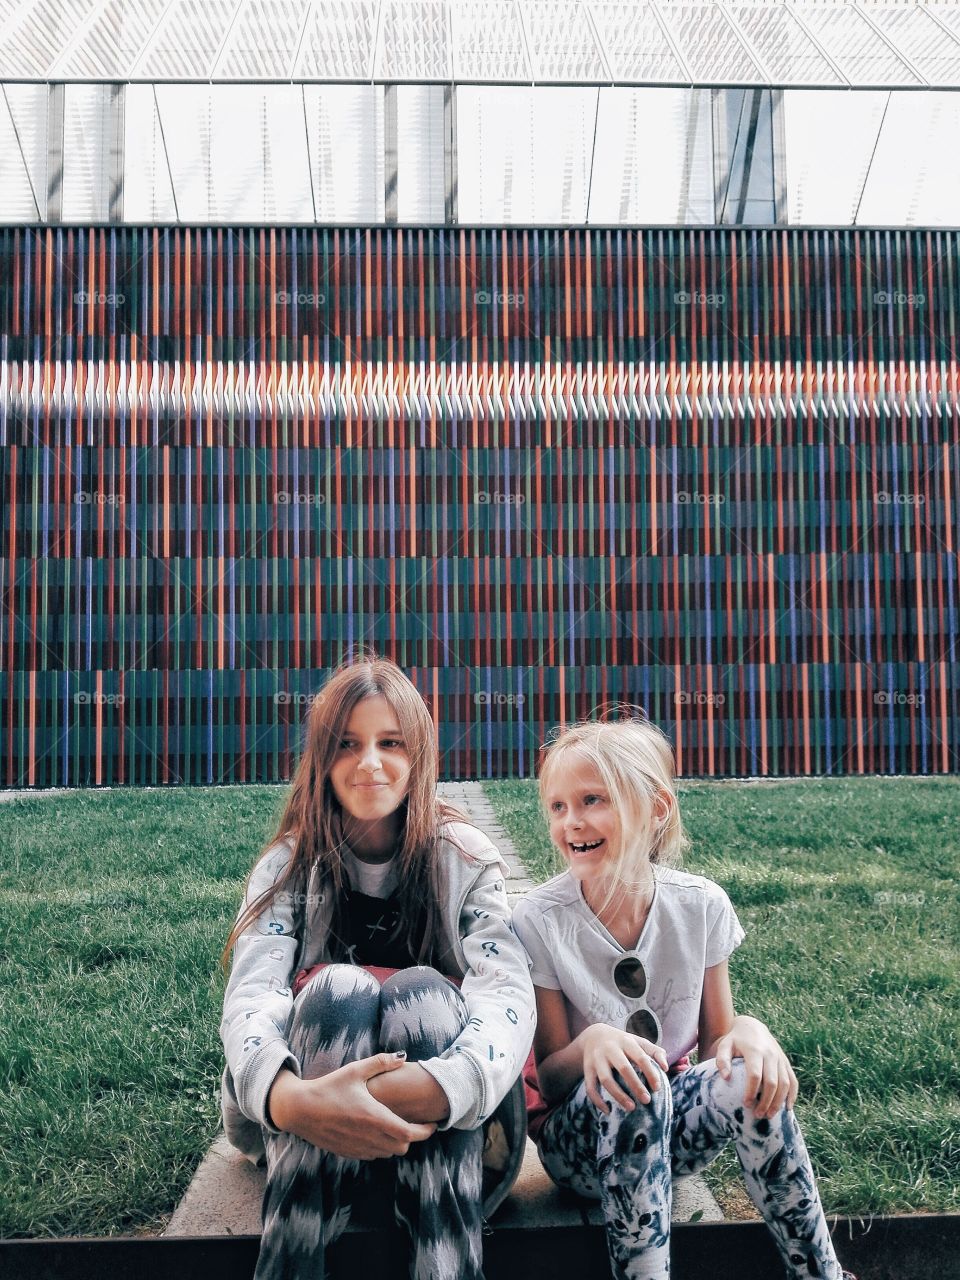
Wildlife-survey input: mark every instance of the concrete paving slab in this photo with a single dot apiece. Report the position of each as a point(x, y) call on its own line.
point(225, 1196)
point(226, 1193)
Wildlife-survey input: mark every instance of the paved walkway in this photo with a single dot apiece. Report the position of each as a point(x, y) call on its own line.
point(471, 798)
point(50, 793)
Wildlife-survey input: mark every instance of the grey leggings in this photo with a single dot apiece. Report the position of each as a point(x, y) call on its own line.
point(627, 1160)
point(342, 1014)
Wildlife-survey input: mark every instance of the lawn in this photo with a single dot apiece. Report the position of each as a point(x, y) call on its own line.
point(116, 904)
point(849, 890)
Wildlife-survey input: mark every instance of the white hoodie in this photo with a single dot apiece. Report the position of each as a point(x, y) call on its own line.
point(478, 944)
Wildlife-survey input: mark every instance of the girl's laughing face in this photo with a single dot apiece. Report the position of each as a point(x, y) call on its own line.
point(584, 825)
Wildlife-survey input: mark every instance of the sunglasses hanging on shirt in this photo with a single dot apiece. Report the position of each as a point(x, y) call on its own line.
point(630, 979)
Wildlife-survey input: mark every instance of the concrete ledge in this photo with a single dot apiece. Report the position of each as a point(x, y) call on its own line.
point(225, 1195)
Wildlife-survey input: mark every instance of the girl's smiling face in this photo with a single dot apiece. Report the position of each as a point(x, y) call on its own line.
point(371, 773)
point(584, 825)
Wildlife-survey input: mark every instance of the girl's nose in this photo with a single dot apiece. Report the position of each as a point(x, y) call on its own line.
point(370, 759)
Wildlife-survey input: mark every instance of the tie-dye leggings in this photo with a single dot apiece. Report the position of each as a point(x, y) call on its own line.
point(627, 1159)
point(342, 1014)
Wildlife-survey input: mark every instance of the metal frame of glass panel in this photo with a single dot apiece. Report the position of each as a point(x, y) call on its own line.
point(712, 43)
point(422, 155)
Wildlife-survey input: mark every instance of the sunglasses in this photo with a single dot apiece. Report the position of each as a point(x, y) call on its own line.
point(630, 979)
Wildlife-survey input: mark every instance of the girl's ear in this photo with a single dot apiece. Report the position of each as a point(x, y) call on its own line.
point(662, 807)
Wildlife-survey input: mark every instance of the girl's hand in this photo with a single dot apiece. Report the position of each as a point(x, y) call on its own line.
point(337, 1113)
point(607, 1050)
point(770, 1078)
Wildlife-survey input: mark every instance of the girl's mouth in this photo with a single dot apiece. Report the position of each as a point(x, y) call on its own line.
point(588, 847)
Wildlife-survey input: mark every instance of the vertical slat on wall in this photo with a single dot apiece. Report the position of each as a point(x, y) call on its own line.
point(709, 471)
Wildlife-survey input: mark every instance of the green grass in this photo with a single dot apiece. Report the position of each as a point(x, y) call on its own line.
point(850, 895)
point(114, 907)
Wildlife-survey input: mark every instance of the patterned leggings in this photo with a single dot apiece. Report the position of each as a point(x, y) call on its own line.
point(626, 1160)
point(342, 1014)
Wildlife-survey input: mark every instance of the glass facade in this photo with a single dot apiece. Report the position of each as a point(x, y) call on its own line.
point(457, 112)
point(475, 155)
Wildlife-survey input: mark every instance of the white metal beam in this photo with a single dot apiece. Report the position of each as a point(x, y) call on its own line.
point(78, 36)
point(147, 46)
point(897, 53)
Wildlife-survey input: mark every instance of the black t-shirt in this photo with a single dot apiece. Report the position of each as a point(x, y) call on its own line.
point(369, 923)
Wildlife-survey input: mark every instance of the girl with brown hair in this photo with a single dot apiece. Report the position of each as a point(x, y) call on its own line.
point(379, 1005)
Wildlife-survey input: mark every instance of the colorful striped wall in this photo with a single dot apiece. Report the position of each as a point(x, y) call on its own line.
point(711, 471)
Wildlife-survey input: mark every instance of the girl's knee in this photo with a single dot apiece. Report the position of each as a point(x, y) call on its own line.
point(334, 1019)
point(421, 1012)
point(332, 991)
point(419, 983)
point(658, 1111)
point(727, 1097)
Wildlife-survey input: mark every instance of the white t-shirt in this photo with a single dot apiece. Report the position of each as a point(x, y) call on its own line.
point(375, 879)
point(691, 926)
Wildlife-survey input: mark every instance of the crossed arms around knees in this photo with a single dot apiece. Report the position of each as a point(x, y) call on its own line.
point(600, 1050)
point(369, 1109)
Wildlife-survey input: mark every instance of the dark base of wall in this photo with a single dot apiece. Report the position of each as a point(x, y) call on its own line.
point(913, 1247)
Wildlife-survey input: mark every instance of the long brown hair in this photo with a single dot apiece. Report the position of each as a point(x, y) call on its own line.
point(311, 818)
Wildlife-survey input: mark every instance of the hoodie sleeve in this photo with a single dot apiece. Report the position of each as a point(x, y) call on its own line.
point(482, 1064)
point(259, 999)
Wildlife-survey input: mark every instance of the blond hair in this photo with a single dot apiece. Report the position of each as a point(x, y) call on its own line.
point(635, 760)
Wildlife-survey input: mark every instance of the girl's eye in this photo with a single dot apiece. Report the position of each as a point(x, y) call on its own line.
point(392, 744)
point(592, 799)
point(556, 806)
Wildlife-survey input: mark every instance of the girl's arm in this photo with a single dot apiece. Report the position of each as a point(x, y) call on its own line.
point(716, 1010)
point(339, 1112)
point(411, 1093)
point(722, 1035)
point(481, 1066)
point(593, 1056)
point(559, 1059)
